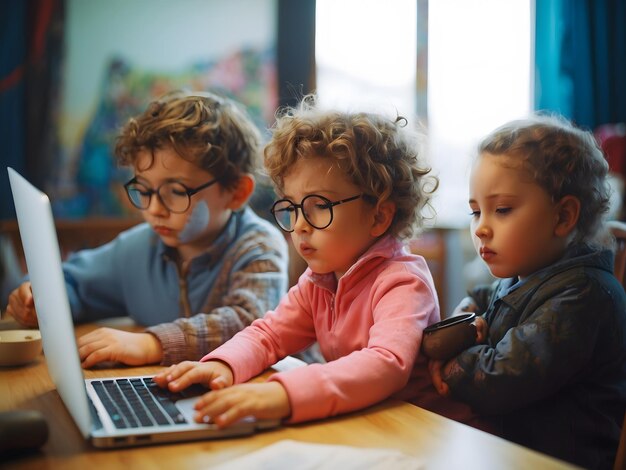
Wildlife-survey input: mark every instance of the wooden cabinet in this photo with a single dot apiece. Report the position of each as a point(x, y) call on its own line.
point(432, 246)
point(73, 235)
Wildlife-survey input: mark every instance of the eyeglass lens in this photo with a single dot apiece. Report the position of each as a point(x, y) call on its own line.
point(317, 211)
point(172, 195)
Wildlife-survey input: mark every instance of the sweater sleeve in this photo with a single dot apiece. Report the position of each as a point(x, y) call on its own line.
point(255, 282)
point(402, 305)
point(287, 330)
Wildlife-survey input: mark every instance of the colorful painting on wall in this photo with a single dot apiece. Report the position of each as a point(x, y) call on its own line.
point(247, 76)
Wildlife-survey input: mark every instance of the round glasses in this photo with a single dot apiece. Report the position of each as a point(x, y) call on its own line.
point(317, 211)
point(175, 196)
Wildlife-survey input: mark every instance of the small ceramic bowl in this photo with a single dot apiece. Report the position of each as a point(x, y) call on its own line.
point(447, 338)
point(18, 347)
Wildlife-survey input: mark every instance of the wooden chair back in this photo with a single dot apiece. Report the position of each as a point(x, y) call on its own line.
point(618, 230)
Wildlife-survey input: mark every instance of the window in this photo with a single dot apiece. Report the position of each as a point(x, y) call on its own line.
point(479, 69)
point(479, 74)
point(365, 55)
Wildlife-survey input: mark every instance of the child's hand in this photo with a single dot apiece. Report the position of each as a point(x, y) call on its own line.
point(22, 306)
point(435, 368)
point(262, 400)
point(215, 374)
point(482, 329)
point(108, 344)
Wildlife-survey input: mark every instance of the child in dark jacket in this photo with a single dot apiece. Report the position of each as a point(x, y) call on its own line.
point(551, 374)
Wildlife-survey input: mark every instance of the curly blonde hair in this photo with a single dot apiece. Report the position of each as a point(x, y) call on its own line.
point(380, 156)
point(209, 130)
point(562, 159)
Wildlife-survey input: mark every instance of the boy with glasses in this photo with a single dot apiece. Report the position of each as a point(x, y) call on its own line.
point(203, 266)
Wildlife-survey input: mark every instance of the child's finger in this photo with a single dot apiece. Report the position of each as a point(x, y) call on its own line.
point(185, 374)
point(434, 367)
point(160, 377)
point(30, 317)
point(219, 409)
point(228, 417)
point(218, 383)
point(25, 294)
point(95, 354)
point(165, 377)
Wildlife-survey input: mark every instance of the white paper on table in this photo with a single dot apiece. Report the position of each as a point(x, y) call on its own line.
point(288, 363)
point(288, 454)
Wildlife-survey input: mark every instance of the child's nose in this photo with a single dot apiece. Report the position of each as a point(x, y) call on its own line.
point(482, 230)
point(301, 223)
point(156, 206)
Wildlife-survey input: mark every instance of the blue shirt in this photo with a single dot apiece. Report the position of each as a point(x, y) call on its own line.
point(191, 308)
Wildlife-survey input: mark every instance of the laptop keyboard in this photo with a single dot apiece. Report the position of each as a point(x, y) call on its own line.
point(138, 402)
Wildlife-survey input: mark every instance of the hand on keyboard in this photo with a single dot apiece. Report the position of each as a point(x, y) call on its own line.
point(214, 374)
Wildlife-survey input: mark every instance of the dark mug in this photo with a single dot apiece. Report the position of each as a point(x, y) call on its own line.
point(21, 431)
point(447, 338)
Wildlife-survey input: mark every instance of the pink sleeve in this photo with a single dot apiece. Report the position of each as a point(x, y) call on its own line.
point(403, 304)
point(287, 330)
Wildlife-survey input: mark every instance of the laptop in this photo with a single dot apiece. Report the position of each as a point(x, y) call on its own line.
point(110, 412)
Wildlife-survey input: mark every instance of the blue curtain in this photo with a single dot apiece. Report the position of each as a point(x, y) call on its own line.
point(12, 54)
point(31, 50)
point(580, 60)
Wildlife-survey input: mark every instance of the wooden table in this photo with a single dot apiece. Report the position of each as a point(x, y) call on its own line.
point(437, 441)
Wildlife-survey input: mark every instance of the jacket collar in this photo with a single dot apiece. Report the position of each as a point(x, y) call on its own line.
point(579, 255)
point(384, 248)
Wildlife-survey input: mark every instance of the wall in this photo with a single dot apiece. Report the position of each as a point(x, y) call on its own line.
point(122, 54)
point(153, 34)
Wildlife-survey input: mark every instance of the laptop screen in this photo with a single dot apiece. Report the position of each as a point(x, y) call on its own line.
point(43, 260)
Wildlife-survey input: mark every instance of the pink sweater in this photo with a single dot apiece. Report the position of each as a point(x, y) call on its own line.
point(369, 328)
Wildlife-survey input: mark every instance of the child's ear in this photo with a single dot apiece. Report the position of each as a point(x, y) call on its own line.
point(242, 192)
point(383, 217)
point(568, 210)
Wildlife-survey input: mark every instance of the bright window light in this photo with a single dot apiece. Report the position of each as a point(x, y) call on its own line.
point(479, 70)
point(365, 54)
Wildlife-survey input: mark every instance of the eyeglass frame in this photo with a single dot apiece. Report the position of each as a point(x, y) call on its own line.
point(188, 191)
point(330, 203)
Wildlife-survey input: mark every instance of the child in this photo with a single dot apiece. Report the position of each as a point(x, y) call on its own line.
point(350, 185)
point(203, 266)
point(552, 371)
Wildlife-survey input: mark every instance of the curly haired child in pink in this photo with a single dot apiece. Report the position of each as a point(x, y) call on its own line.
point(351, 185)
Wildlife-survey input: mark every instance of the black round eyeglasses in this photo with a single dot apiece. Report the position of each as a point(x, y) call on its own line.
point(175, 196)
point(317, 211)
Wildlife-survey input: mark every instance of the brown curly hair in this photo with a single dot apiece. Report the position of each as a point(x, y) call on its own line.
point(380, 155)
point(562, 159)
point(209, 130)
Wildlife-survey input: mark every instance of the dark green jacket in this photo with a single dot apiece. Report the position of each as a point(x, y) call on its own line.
point(553, 372)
